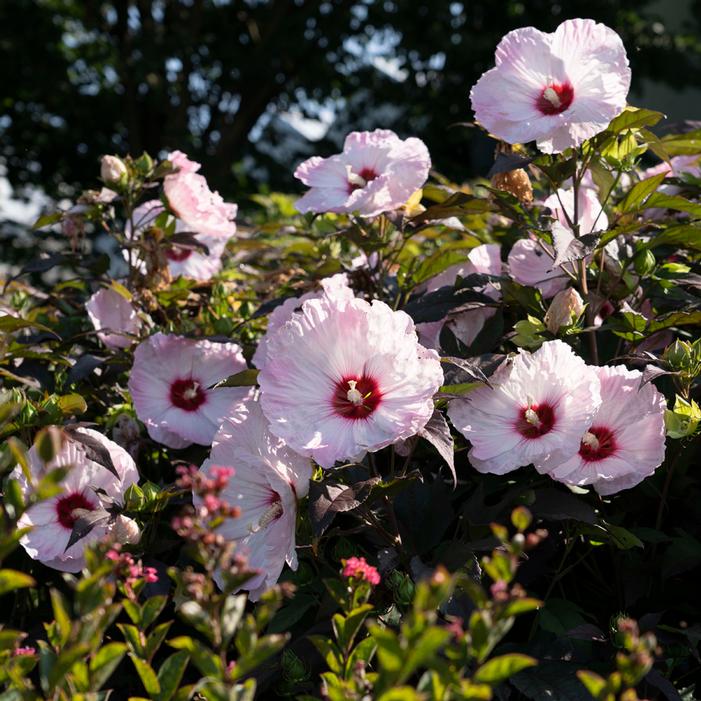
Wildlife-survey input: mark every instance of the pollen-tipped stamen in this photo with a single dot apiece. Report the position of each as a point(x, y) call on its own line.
point(354, 395)
point(269, 515)
point(532, 417)
point(354, 178)
point(591, 441)
point(552, 97)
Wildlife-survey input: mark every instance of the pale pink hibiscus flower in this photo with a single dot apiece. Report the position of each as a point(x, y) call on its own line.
point(625, 442)
point(344, 377)
point(539, 404)
point(189, 197)
point(590, 215)
point(194, 263)
point(530, 263)
point(114, 318)
point(558, 89)
point(268, 480)
point(171, 386)
point(485, 260)
point(377, 172)
point(334, 286)
point(52, 520)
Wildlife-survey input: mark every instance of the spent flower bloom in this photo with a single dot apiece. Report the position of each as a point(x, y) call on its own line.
point(539, 405)
point(558, 89)
point(171, 383)
point(268, 478)
point(565, 309)
point(114, 318)
point(190, 199)
point(52, 520)
point(376, 172)
point(346, 376)
point(625, 442)
point(358, 568)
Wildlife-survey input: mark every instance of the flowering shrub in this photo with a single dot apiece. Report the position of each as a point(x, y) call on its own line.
point(401, 438)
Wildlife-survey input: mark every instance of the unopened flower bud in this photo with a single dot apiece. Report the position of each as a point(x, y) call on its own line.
point(567, 306)
point(126, 530)
point(113, 171)
point(515, 182)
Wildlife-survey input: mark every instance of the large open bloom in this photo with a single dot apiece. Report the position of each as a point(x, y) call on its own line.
point(344, 377)
point(377, 172)
point(539, 404)
point(52, 520)
point(194, 263)
point(558, 89)
point(113, 317)
point(625, 442)
point(334, 286)
point(530, 263)
point(466, 325)
point(268, 480)
point(170, 384)
point(190, 198)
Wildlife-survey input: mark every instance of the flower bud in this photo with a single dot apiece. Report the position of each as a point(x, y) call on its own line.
point(567, 306)
point(515, 182)
point(113, 171)
point(126, 531)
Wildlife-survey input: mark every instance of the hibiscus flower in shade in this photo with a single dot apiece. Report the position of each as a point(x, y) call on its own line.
point(189, 262)
point(539, 404)
point(334, 286)
point(556, 89)
point(268, 480)
point(485, 260)
point(344, 377)
point(52, 520)
point(589, 212)
point(189, 197)
point(530, 263)
point(377, 172)
point(171, 382)
point(625, 442)
point(113, 317)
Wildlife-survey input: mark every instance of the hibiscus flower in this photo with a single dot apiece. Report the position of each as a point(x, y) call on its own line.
point(113, 317)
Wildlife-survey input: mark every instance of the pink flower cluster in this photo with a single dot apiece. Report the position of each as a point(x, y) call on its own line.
point(129, 571)
point(358, 568)
point(579, 424)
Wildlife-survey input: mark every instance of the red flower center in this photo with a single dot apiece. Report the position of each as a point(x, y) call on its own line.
point(178, 254)
point(187, 394)
point(356, 397)
point(356, 181)
point(598, 443)
point(555, 98)
point(66, 505)
point(535, 420)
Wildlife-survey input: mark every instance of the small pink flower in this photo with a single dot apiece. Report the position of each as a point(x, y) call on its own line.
point(334, 286)
point(539, 405)
point(24, 651)
point(625, 442)
point(267, 481)
point(191, 200)
point(52, 520)
point(358, 568)
point(344, 377)
point(530, 263)
point(558, 89)
point(171, 382)
point(377, 172)
point(484, 259)
point(113, 317)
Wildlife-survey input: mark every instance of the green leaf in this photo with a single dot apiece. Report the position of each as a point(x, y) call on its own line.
point(637, 196)
point(621, 537)
point(245, 378)
point(634, 118)
point(65, 661)
point(438, 262)
point(156, 638)
point(346, 627)
point(171, 673)
point(151, 609)
point(47, 220)
point(499, 669)
point(12, 579)
point(61, 616)
point(209, 664)
point(518, 606)
point(684, 235)
point(592, 681)
point(678, 203)
point(401, 693)
point(104, 662)
point(231, 614)
point(147, 675)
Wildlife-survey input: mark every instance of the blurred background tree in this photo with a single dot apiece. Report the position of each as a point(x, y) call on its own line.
point(248, 86)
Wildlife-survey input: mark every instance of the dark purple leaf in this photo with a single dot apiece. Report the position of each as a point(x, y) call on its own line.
point(569, 250)
point(188, 239)
point(84, 367)
point(326, 499)
point(473, 371)
point(507, 161)
point(86, 521)
point(437, 433)
point(94, 450)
